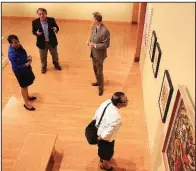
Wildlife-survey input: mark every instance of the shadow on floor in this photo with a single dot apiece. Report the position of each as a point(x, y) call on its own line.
point(55, 166)
point(123, 165)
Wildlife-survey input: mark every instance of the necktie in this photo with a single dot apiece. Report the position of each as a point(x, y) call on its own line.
point(95, 32)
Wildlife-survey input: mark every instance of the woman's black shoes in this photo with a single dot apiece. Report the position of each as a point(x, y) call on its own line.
point(32, 98)
point(30, 109)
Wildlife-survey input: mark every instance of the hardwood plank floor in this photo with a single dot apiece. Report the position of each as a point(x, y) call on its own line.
point(66, 100)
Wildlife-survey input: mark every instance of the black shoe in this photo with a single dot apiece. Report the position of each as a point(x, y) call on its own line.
point(32, 98)
point(95, 84)
point(103, 168)
point(31, 109)
point(58, 67)
point(44, 70)
point(100, 92)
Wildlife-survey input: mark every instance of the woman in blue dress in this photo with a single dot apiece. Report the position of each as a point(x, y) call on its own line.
point(22, 69)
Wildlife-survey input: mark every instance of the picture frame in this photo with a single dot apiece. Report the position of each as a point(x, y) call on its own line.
point(179, 146)
point(152, 45)
point(165, 95)
point(147, 24)
point(156, 59)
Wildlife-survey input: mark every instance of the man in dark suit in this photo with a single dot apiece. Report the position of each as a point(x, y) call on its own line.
point(99, 42)
point(45, 29)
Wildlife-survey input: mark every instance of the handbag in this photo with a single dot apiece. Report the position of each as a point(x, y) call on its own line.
point(91, 130)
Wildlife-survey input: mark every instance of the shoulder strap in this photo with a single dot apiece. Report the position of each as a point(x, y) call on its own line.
point(103, 114)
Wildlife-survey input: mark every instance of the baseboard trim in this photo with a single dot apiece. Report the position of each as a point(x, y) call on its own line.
point(134, 22)
point(63, 19)
point(4, 62)
point(136, 59)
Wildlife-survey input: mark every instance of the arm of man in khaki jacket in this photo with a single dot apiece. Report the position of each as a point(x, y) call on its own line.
point(89, 40)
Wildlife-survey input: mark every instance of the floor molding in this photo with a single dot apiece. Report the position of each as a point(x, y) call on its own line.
point(4, 62)
point(63, 19)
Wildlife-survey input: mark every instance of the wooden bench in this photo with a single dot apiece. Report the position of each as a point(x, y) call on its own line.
point(37, 151)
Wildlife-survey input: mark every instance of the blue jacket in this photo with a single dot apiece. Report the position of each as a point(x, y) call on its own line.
point(18, 58)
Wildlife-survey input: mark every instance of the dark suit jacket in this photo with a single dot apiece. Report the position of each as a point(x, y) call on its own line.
point(36, 24)
point(102, 41)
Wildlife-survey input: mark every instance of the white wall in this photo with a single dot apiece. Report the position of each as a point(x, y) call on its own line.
point(174, 24)
point(82, 11)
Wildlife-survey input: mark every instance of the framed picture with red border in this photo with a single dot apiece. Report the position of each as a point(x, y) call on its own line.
point(179, 145)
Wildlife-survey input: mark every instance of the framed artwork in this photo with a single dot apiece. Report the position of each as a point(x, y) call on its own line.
point(152, 45)
point(179, 145)
point(165, 95)
point(156, 59)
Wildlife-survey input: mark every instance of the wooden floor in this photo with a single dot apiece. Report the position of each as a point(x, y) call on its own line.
point(67, 101)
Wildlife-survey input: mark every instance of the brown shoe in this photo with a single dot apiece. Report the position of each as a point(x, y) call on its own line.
point(103, 168)
point(58, 67)
point(44, 70)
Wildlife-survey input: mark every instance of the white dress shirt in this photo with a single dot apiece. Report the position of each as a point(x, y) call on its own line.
point(96, 33)
point(44, 25)
point(110, 123)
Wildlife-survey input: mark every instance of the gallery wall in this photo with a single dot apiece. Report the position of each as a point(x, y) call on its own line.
point(174, 24)
point(81, 11)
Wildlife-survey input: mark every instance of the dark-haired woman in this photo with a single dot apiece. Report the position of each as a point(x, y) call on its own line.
point(21, 68)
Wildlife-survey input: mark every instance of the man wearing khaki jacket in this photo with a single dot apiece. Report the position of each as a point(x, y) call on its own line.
point(99, 42)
